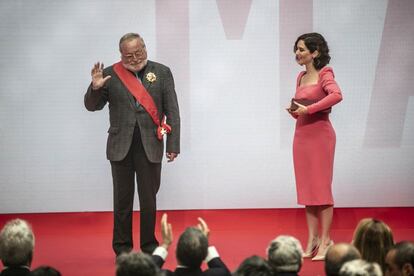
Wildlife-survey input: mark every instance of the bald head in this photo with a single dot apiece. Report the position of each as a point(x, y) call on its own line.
point(337, 255)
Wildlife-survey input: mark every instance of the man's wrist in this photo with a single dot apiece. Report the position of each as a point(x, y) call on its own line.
point(165, 245)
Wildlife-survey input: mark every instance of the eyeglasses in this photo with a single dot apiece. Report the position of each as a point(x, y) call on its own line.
point(136, 55)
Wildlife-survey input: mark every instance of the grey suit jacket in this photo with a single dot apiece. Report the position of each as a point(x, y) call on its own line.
point(124, 113)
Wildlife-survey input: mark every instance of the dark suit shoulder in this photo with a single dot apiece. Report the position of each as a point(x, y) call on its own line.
point(157, 65)
point(217, 268)
point(18, 271)
point(108, 70)
point(181, 271)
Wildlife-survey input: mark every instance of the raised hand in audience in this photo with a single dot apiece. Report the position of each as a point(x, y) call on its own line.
point(166, 232)
point(202, 225)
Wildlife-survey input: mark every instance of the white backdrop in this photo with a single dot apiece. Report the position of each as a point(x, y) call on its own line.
point(235, 73)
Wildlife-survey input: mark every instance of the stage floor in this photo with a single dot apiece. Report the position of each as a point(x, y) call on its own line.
point(80, 243)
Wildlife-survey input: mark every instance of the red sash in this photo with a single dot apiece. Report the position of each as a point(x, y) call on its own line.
point(137, 90)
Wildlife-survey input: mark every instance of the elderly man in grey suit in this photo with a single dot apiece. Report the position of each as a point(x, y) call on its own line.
point(143, 108)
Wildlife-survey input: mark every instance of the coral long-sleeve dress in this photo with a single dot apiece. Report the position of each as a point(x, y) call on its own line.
point(314, 141)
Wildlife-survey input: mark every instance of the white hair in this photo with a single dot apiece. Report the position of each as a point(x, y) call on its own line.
point(16, 243)
point(285, 254)
point(128, 37)
point(360, 268)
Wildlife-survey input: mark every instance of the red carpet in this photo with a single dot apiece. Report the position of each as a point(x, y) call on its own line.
point(80, 243)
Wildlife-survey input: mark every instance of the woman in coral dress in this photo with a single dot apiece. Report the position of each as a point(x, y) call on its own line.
point(314, 141)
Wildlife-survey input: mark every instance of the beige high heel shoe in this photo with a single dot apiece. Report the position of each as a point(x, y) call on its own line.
point(321, 256)
point(313, 250)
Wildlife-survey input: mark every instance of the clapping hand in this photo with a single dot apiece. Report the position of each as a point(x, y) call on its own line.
point(203, 227)
point(97, 76)
point(166, 232)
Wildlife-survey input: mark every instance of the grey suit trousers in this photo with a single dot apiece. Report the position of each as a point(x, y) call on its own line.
point(148, 174)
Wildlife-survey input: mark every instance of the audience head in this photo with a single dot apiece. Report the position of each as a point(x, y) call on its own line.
point(360, 268)
point(285, 254)
point(400, 259)
point(45, 271)
point(373, 238)
point(337, 255)
point(192, 248)
point(136, 264)
point(254, 266)
point(16, 243)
